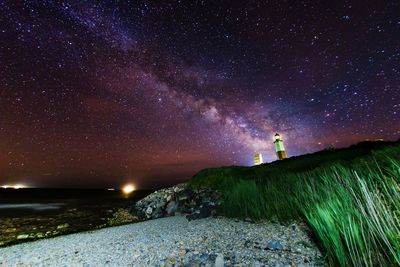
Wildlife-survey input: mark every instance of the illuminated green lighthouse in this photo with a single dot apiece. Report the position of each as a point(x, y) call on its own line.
point(279, 148)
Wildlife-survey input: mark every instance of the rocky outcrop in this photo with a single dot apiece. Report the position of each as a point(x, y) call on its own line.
point(179, 199)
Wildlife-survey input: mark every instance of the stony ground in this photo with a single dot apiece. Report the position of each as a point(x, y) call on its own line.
point(172, 241)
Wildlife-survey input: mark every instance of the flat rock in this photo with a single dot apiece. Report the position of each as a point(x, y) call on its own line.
point(22, 236)
point(274, 245)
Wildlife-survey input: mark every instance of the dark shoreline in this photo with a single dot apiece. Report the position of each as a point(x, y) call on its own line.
point(54, 212)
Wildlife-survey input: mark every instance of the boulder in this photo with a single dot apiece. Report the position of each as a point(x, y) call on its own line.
point(172, 207)
point(149, 211)
point(158, 214)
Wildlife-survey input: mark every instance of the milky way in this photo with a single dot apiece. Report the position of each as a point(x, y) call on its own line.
point(101, 93)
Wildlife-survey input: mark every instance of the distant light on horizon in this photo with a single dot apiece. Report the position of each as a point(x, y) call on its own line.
point(128, 188)
point(13, 186)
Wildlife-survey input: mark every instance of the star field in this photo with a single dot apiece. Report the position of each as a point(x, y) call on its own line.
point(101, 93)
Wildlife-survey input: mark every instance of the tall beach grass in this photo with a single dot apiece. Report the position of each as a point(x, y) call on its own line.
point(353, 213)
point(352, 207)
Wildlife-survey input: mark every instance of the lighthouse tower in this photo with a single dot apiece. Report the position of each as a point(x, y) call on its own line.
point(279, 148)
point(258, 159)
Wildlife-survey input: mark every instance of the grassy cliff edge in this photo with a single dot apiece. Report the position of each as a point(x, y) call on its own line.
point(349, 197)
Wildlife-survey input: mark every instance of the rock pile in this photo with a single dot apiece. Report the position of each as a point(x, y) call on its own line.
point(179, 199)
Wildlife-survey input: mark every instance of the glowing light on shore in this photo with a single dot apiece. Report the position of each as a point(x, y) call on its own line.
point(129, 188)
point(13, 186)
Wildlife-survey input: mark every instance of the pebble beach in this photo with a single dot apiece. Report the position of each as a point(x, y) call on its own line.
point(173, 241)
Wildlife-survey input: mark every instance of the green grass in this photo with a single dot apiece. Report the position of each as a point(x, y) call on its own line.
point(352, 212)
point(350, 198)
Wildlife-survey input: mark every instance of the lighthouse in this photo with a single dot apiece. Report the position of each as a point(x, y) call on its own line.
point(258, 159)
point(279, 148)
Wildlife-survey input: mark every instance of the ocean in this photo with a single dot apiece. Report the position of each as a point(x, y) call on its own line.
point(32, 201)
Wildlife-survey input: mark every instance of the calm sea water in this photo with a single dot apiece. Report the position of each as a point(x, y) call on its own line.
point(29, 201)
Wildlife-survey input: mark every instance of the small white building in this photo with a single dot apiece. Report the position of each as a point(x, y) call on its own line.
point(258, 159)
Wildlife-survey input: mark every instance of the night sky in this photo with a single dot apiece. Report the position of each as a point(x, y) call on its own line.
point(102, 93)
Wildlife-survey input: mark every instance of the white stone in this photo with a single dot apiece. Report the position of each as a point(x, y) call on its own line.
point(23, 236)
point(219, 261)
point(149, 210)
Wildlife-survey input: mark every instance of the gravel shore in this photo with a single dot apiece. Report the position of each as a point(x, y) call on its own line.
point(173, 241)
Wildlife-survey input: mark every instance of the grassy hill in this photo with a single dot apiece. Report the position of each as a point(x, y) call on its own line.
point(349, 197)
